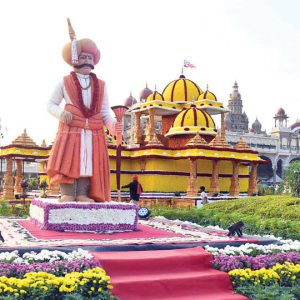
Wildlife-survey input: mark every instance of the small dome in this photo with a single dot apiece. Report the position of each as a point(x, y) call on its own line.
point(256, 126)
point(207, 96)
point(181, 89)
point(191, 121)
point(155, 96)
point(145, 93)
point(280, 112)
point(296, 125)
point(130, 101)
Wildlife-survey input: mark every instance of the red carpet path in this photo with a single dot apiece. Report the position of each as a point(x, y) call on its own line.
point(184, 274)
point(143, 232)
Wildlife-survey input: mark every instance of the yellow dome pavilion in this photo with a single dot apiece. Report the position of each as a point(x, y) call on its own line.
point(207, 96)
point(155, 96)
point(181, 90)
point(191, 121)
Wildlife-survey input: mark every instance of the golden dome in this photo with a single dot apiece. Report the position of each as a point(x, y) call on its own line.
point(181, 89)
point(208, 96)
point(155, 96)
point(192, 121)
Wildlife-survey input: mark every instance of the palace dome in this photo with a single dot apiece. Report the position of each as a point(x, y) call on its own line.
point(181, 90)
point(280, 112)
point(256, 126)
point(207, 96)
point(155, 96)
point(191, 121)
point(130, 101)
point(145, 93)
point(296, 125)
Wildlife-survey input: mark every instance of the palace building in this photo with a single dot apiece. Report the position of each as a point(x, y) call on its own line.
point(171, 140)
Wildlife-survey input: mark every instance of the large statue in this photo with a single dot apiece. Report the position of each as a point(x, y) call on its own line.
point(79, 159)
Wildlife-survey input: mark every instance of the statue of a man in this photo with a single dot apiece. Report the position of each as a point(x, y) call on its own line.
point(79, 160)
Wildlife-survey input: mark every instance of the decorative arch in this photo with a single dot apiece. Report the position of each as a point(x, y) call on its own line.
point(265, 171)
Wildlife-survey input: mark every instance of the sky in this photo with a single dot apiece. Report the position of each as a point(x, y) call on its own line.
point(254, 42)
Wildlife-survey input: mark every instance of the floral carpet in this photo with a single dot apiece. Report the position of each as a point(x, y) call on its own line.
point(21, 233)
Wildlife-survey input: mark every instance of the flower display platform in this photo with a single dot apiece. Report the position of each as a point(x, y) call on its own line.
point(79, 216)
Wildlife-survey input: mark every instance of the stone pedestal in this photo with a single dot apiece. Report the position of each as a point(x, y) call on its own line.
point(75, 216)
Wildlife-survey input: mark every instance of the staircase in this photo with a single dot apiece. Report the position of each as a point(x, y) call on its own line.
point(180, 274)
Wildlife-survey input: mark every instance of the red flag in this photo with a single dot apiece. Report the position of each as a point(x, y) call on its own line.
point(187, 64)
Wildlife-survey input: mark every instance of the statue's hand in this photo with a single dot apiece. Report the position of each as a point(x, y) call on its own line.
point(66, 117)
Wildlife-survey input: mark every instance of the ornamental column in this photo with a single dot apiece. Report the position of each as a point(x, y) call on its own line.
point(214, 181)
point(192, 189)
point(154, 141)
point(19, 176)
point(137, 128)
point(253, 180)
point(235, 187)
point(8, 190)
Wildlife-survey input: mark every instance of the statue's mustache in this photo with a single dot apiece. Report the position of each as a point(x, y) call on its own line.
point(84, 65)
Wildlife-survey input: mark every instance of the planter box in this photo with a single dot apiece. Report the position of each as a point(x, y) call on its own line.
point(75, 216)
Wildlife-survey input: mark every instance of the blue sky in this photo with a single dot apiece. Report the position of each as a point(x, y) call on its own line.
point(255, 42)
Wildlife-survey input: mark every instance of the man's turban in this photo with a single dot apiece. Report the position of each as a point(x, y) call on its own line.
point(83, 45)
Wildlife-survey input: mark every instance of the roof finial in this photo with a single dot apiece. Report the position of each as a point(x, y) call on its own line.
point(207, 86)
point(155, 88)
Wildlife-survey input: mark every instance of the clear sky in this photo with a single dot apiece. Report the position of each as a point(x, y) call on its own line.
point(255, 42)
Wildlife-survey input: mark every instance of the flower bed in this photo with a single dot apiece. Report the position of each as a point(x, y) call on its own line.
point(262, 271)
point(52, 275)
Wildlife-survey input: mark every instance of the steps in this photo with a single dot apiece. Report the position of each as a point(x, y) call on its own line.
point(166, 274)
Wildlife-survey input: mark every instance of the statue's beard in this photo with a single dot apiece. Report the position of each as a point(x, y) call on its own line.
point(84, 65)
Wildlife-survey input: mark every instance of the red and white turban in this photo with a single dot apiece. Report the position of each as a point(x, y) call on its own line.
point(83, 45)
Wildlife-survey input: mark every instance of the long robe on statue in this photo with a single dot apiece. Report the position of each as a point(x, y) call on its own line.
point(80, 147)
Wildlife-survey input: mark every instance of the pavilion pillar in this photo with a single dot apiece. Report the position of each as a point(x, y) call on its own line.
point(253, 179)
point(19, 176)
point(214, 181)
point(8, 190)
point(235, 187)
point(137, 128)
point(153, 140)
point(192, 189)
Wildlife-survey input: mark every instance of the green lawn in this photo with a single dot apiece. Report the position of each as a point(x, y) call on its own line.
point(278, 215)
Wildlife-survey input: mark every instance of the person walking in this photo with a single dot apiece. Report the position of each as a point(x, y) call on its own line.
point(135, 189)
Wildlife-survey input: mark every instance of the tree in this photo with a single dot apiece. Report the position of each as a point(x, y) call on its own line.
point(292, 177)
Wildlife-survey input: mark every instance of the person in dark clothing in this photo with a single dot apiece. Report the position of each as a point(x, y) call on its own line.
point(135, 189)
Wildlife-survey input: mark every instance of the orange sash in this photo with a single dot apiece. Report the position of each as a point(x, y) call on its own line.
point(64, 161)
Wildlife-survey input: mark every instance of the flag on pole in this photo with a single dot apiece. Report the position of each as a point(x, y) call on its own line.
point(187, 64)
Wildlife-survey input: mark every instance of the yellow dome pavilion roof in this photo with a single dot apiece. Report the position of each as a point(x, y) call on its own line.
point(208, 96)
point(181, 89)
point(155, 96)
point(191, 121)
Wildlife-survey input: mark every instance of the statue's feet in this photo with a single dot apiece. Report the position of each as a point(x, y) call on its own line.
point(84, 198)
point(66, 198)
